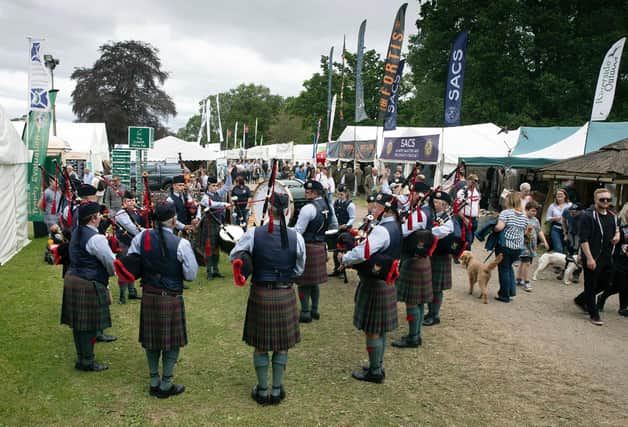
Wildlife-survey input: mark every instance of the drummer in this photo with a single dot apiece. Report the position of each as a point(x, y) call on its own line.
point(314, 219)
point(344, 209)
point(214, 207)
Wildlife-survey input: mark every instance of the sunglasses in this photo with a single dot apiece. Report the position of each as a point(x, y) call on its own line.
point(604, 200)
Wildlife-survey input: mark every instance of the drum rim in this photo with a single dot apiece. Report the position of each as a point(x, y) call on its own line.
point(230, 227)
point(288, 192)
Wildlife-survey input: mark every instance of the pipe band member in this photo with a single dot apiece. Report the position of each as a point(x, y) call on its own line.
point(345, 211)
point(166, 261)
point(128, 220)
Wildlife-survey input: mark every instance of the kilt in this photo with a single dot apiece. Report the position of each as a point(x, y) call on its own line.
point(85, 304)
point(414, 285)
point(441, 272)
point(213, 233)
point(375, 306)
point(272, 319)
point(162, 322)
point(315, 272)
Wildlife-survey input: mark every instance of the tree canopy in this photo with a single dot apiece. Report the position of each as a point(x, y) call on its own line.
point(123, 88)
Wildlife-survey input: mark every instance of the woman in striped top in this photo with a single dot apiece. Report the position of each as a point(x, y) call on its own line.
point(512, 223)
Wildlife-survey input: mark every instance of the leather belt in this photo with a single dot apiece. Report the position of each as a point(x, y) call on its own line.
point(273, 285)
point(148, 289)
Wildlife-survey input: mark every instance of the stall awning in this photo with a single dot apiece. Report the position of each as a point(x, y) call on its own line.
point(513, 162)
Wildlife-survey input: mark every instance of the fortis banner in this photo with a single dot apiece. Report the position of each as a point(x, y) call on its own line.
point(392, 60)
point(455, 80)
point(390, 122)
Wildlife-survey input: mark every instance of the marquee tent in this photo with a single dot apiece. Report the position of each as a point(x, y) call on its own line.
point(88, 141)
point(14, 159)
point(168, 149)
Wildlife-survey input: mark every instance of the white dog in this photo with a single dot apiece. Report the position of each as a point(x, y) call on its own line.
point(568, 263)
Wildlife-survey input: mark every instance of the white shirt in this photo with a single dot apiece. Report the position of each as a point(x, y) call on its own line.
point(472, 206)
point(379, 239)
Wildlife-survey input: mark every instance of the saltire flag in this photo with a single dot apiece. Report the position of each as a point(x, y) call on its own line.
point(316, 138)
point(392, 60)
point(390, 121)
point(208, 113)
point(360, 112)
point(455, 80)
point(342, 82)
point(332, 115)
point(330, 70)
point(38, 78)
point(607, 81)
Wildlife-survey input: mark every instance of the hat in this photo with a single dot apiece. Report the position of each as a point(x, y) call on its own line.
point(281, 200)
point(398, 181)
point(178, 179)
point(314, 185)
point(576, 206)
point(86, 190)
point(128, 195)
point(212, 180)
point(370, 198)
point(385, 199)
point(342, 188)
point(441, 195)
point(87, 209)
point(421, 187)
point(164, 211)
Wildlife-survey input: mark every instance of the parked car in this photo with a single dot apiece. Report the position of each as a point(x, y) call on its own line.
point(160, 175)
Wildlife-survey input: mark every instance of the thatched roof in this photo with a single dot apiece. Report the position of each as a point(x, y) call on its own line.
point(610, 161)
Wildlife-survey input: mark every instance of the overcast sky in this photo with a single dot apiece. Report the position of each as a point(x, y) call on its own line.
point(207, 46)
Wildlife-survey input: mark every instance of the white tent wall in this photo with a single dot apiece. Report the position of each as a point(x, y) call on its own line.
point(14, 158)
point(168, 149)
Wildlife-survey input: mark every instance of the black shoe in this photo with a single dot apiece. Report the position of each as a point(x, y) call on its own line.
point(172, 391)
point(406, 342)
point(334, 273)
point(623, 312)
point(305, 318)
point(600, 304)
point(366, 367)
point(316, 315)
point(106, 338)
point(217, 274)
point(134, 297)
point(185, 286)
point(430, 321)
point(502, 299)
point(262, 400)
point(368, 376)
point(582, 306)
point(92, 367)
point(276, 400)
point(153, 391)
point(121, 302)
point(428, 315)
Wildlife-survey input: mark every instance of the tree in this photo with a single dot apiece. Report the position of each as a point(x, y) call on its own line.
point(289, 128)
point(123, 88)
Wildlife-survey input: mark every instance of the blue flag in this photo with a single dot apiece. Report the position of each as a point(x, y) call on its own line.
point(390, 120)
point(360, 112)
point(455, 80)
point(330, 71)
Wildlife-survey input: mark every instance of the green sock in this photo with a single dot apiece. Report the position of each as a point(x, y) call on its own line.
point(132, 290)
point(437, 302)
point(152, 356)
point(374, 348)
point(122, 287)
point(305, 292)
point(77, 345)
point(316, 296)
point(280, 360)
point(421, 313)
point(413, 315)
point(169, 360)
point(87, 346)
point(383, 350)
point(260, 362)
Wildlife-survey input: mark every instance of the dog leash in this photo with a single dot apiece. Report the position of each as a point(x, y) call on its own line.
point(489, 255)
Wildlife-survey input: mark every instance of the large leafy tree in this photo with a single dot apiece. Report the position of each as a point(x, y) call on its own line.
point(123, 88)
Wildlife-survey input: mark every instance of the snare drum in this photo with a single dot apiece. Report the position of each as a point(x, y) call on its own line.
point(331, 238)
point(229, 236)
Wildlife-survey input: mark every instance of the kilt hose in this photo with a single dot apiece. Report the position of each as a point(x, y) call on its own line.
point(414, 285)
point(375, 306)
point(272, 319)
point(315, 272)
point(85, 305)
point(162, 322)
point(441, 272)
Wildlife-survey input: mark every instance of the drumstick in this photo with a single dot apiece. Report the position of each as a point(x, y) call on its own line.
point(222, 226)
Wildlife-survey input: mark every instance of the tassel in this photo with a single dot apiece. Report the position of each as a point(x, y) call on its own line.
point(147, 246)
point(124, 275)
point(208, 248)
point(410, 220)
point(367, 249)
point(419, 215)
point(369, 349)
point(433, 247)
point(393, 273)
point(70, 219)
point(271, 225)
point(238, 278)
point(409, 317)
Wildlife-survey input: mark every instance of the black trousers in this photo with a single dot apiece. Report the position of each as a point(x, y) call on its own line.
point(619, 285)
point(595, 281)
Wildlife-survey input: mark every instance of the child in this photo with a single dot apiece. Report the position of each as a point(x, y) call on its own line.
point(533, 233)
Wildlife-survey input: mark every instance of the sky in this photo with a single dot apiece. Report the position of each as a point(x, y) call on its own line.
point(207, 46)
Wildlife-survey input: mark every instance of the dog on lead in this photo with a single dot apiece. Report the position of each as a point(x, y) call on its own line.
point(568, 263)
point(479, 272)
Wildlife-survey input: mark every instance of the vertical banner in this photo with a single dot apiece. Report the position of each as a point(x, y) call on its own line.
point(244, 132)
point(255, 143)
point(390, 121)
point(208, 112)
point(203, 118)
point(235, 135)
point(316, 138)
point(607, 81)
point(392, 60)
point(360, 113)
point(330, 71)
point(341, 115)
point(38, 78)
point(219, 121)
point(455, 80)
point(332, 115)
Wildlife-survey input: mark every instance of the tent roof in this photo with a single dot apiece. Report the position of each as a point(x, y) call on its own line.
point(513, 162)
point(12, 149)
point(168, 149)
point(537, 138)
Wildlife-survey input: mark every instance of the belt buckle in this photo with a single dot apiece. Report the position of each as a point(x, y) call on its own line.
point(164, 293)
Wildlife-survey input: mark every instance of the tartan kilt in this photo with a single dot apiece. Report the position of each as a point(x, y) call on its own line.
point(85, 304)
point(162, 322)
point(375, 306)
point(414, 285)
point(441, 272)
point(272, 319)
point(315, 272)
point(213, 234)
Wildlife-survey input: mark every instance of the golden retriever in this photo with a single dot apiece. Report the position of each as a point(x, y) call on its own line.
point(478, 272)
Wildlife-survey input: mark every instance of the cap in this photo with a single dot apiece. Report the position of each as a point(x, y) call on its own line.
point(314, 185)
point(441, 195)
point(370, 198)
point(178, 179)
point(129, 195)
point(342, 188)
point(385, 199)
point(281, 200)
point(212, 180)
point(87, 209)
point(86, 190)
point(421, 187)
point(164, 211)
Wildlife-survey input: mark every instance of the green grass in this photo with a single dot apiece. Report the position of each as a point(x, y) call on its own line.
point(454, 379)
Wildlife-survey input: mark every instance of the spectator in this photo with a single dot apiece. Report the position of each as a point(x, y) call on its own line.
point(599, 233)
point(513, 224)
point(371, 182)
point(524, 191)
point(531, 238)
point(88, 176)
point(555, 217)
point(240, 195)
point(470, 197)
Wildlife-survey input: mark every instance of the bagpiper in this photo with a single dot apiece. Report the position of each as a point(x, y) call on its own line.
point(127, 221)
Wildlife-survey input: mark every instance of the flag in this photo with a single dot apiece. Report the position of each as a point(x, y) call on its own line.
point(390, 120)
point(332, 115)
point(218, 112)
point(607, 81)
point(392, 60)
point(261, 140)
point(38, 78)
point(360, 113)
point(208, 113)
point(235, 135)
point(455, 80)
point(203, 118)
point(228, 136)
point(255, 131)
point(342, 82)
point(317, 135)
point(330, 70)
point(244, 132)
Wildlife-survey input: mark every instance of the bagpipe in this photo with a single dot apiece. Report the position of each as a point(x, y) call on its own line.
point(454, 243)
point(190, 204)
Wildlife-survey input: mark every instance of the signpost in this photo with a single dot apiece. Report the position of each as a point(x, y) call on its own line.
point(141, 138)
point(121, 165)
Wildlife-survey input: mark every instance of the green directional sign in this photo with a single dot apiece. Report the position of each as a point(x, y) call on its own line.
point(140, 137)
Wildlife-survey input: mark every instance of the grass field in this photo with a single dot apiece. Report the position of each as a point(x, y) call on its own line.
point(463, 374)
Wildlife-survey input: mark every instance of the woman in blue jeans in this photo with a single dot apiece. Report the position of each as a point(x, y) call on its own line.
point(554, 216)
point(512, 223)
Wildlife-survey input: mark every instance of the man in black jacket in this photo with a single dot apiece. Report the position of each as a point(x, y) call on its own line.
point(599, 232)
